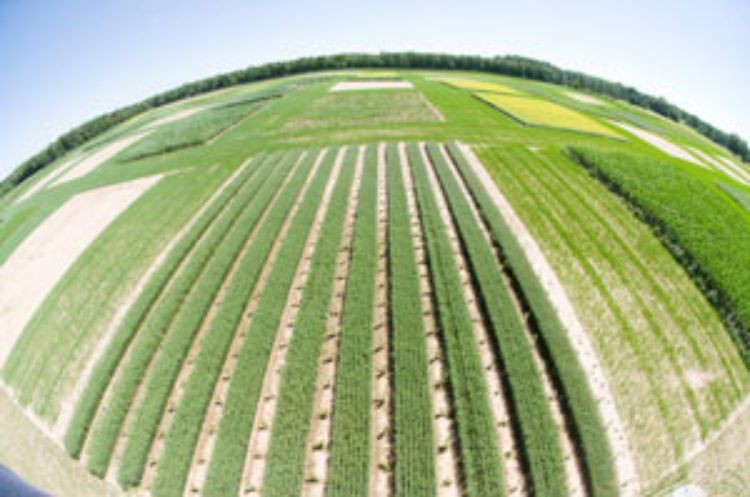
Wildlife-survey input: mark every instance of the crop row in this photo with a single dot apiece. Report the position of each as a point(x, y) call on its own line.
point(350, 438)
point(104, 370)
point(540, 437)
point(188, 420)
point(153, 330)
point(578, 402)
point(177, 343)
point(482, 473)
point(286, 455)
point(225, 470)
point(414, 444)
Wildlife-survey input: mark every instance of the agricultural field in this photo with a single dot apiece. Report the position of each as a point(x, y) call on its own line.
point(321, 285)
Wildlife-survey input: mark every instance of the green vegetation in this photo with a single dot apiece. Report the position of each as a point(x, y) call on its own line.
point(138, 312)
point(349, 474)
point(286, 454)
point(227, 462)
point(701, 228)
point(570, 379)
point(160, 321)
point(195, 130)
point(540, 437)
point(414, 456)
point(479, 452)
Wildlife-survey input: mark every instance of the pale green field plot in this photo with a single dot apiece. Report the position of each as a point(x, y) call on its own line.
point(482, 86)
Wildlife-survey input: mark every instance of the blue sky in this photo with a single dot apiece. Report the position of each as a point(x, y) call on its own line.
point(66, 61)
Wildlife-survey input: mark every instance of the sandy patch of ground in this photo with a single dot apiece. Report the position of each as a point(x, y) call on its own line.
point(71, 401)
point(579, 338)
point(97, 158)
point(370, 85)
point(50, 178)
point(37, 264)
point(722, 165)
point(586, 99)
point(30, 453)
point(177, 116)
point(659, 142)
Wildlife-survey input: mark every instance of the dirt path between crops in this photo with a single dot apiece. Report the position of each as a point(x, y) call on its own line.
point(207, 438)
point(435, 111)
point(319, 438)
point(370, 85)
point(99, 157)
point(623, 457)
point(573, 468)
point(381, 432)
point(68, 405)
point(446, 453)
point(177, 116)
point(38, 263)
point(260, 433)
point(497, 394)
point(51, 177)
point(178, 390)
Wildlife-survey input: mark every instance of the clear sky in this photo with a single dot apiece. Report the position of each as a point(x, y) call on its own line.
point(64, 62)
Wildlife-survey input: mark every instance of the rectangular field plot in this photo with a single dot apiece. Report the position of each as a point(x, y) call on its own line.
point(536, 112)
point(484, 86)
point(189, 131)
point(371, 85)
point(365, 109)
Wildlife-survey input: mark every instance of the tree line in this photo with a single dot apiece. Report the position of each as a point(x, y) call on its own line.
point(508, 65)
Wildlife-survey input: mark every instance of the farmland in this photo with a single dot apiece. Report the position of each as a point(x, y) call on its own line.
point(334, 288)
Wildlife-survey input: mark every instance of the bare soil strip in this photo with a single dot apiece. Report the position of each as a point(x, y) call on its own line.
point(39, 262)
point(50, 178)
point(659, 142)
point(175, 397)
point(380, 436)
point(207, 438)
point(623, 457)
point(446, 454)
point(260, 434)
point(573, 468)
point(319, 439)
point(68, 406)
point(177, 116)
point(514, 479)
point(97, 158)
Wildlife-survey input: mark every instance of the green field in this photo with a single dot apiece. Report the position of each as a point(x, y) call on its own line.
point(339, 293)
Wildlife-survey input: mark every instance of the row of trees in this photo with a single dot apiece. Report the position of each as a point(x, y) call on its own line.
point(510, 65)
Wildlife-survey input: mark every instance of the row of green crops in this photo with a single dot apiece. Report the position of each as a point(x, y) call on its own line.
point(183, 434)
point(540, 438)
point(188, 132)
point(414, 444)
point(153, 331)
point(481, 466)
point(227, 461)
point(684, 346)
point(106, 366)
point(702, 228)
point(349, 472)
point(576, 397)
point(176, 344)
point(286, 454)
